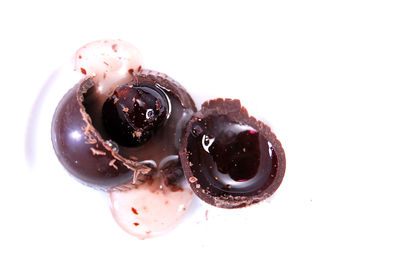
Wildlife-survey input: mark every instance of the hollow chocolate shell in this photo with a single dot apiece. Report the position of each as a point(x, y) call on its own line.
point(87, 151)
point(82, 150)
point(230, 159)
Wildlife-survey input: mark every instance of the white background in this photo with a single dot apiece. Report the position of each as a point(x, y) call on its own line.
point(323, 74)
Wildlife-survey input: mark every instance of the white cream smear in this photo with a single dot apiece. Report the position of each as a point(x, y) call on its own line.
point(151, 208)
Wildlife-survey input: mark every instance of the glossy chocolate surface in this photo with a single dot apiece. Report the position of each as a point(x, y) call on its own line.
point(163, 147)
point(88, 152)
point(133, 113)
point(230, 159)
point(79, 149)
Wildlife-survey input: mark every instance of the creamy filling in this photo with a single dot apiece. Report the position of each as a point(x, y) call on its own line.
point(150, 209)
point(108, 62)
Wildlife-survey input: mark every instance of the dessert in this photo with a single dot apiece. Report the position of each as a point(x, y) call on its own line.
point(136, 134)
point(104, 138)
point(230, 159)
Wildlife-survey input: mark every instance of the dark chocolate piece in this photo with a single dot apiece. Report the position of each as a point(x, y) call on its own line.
point(230, 159)
point(82, 150)
point(88, 152)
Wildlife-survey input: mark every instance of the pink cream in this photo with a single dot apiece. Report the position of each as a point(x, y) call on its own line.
point(151, 208)
point(108, 62)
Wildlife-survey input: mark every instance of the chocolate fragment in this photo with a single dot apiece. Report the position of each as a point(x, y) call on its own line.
point(82, 150)
point(88, 152)
point(230, 159)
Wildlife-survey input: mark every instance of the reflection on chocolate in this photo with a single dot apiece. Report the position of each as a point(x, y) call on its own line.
point(79, 147)
point(231, 160)
point(88, 151)
point(134, 112)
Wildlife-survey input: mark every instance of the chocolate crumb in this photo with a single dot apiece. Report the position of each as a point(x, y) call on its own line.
point(112, 164)
point(97, 152)
point(192, 179)
point(158, 104)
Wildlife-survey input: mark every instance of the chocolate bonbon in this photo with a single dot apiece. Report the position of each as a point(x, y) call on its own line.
point(136, 134)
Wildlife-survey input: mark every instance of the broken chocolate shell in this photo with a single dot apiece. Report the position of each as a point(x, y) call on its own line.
point(82, 150)
point(87, 151)
point(230, 159)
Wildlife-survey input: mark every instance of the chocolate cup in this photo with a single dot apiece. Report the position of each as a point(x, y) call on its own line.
point(82, 150)
point(194, 158)
point(85, 150)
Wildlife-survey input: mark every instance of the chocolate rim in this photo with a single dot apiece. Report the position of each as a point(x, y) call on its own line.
point(93, 136)
point(168, 84)
point(172, 86)
point(143, 172)
point(234, 110)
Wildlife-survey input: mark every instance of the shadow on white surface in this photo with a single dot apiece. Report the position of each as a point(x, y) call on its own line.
point(34, 115)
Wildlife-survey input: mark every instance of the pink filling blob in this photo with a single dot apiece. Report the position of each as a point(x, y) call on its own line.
point(109, 62)
point(150, 209)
